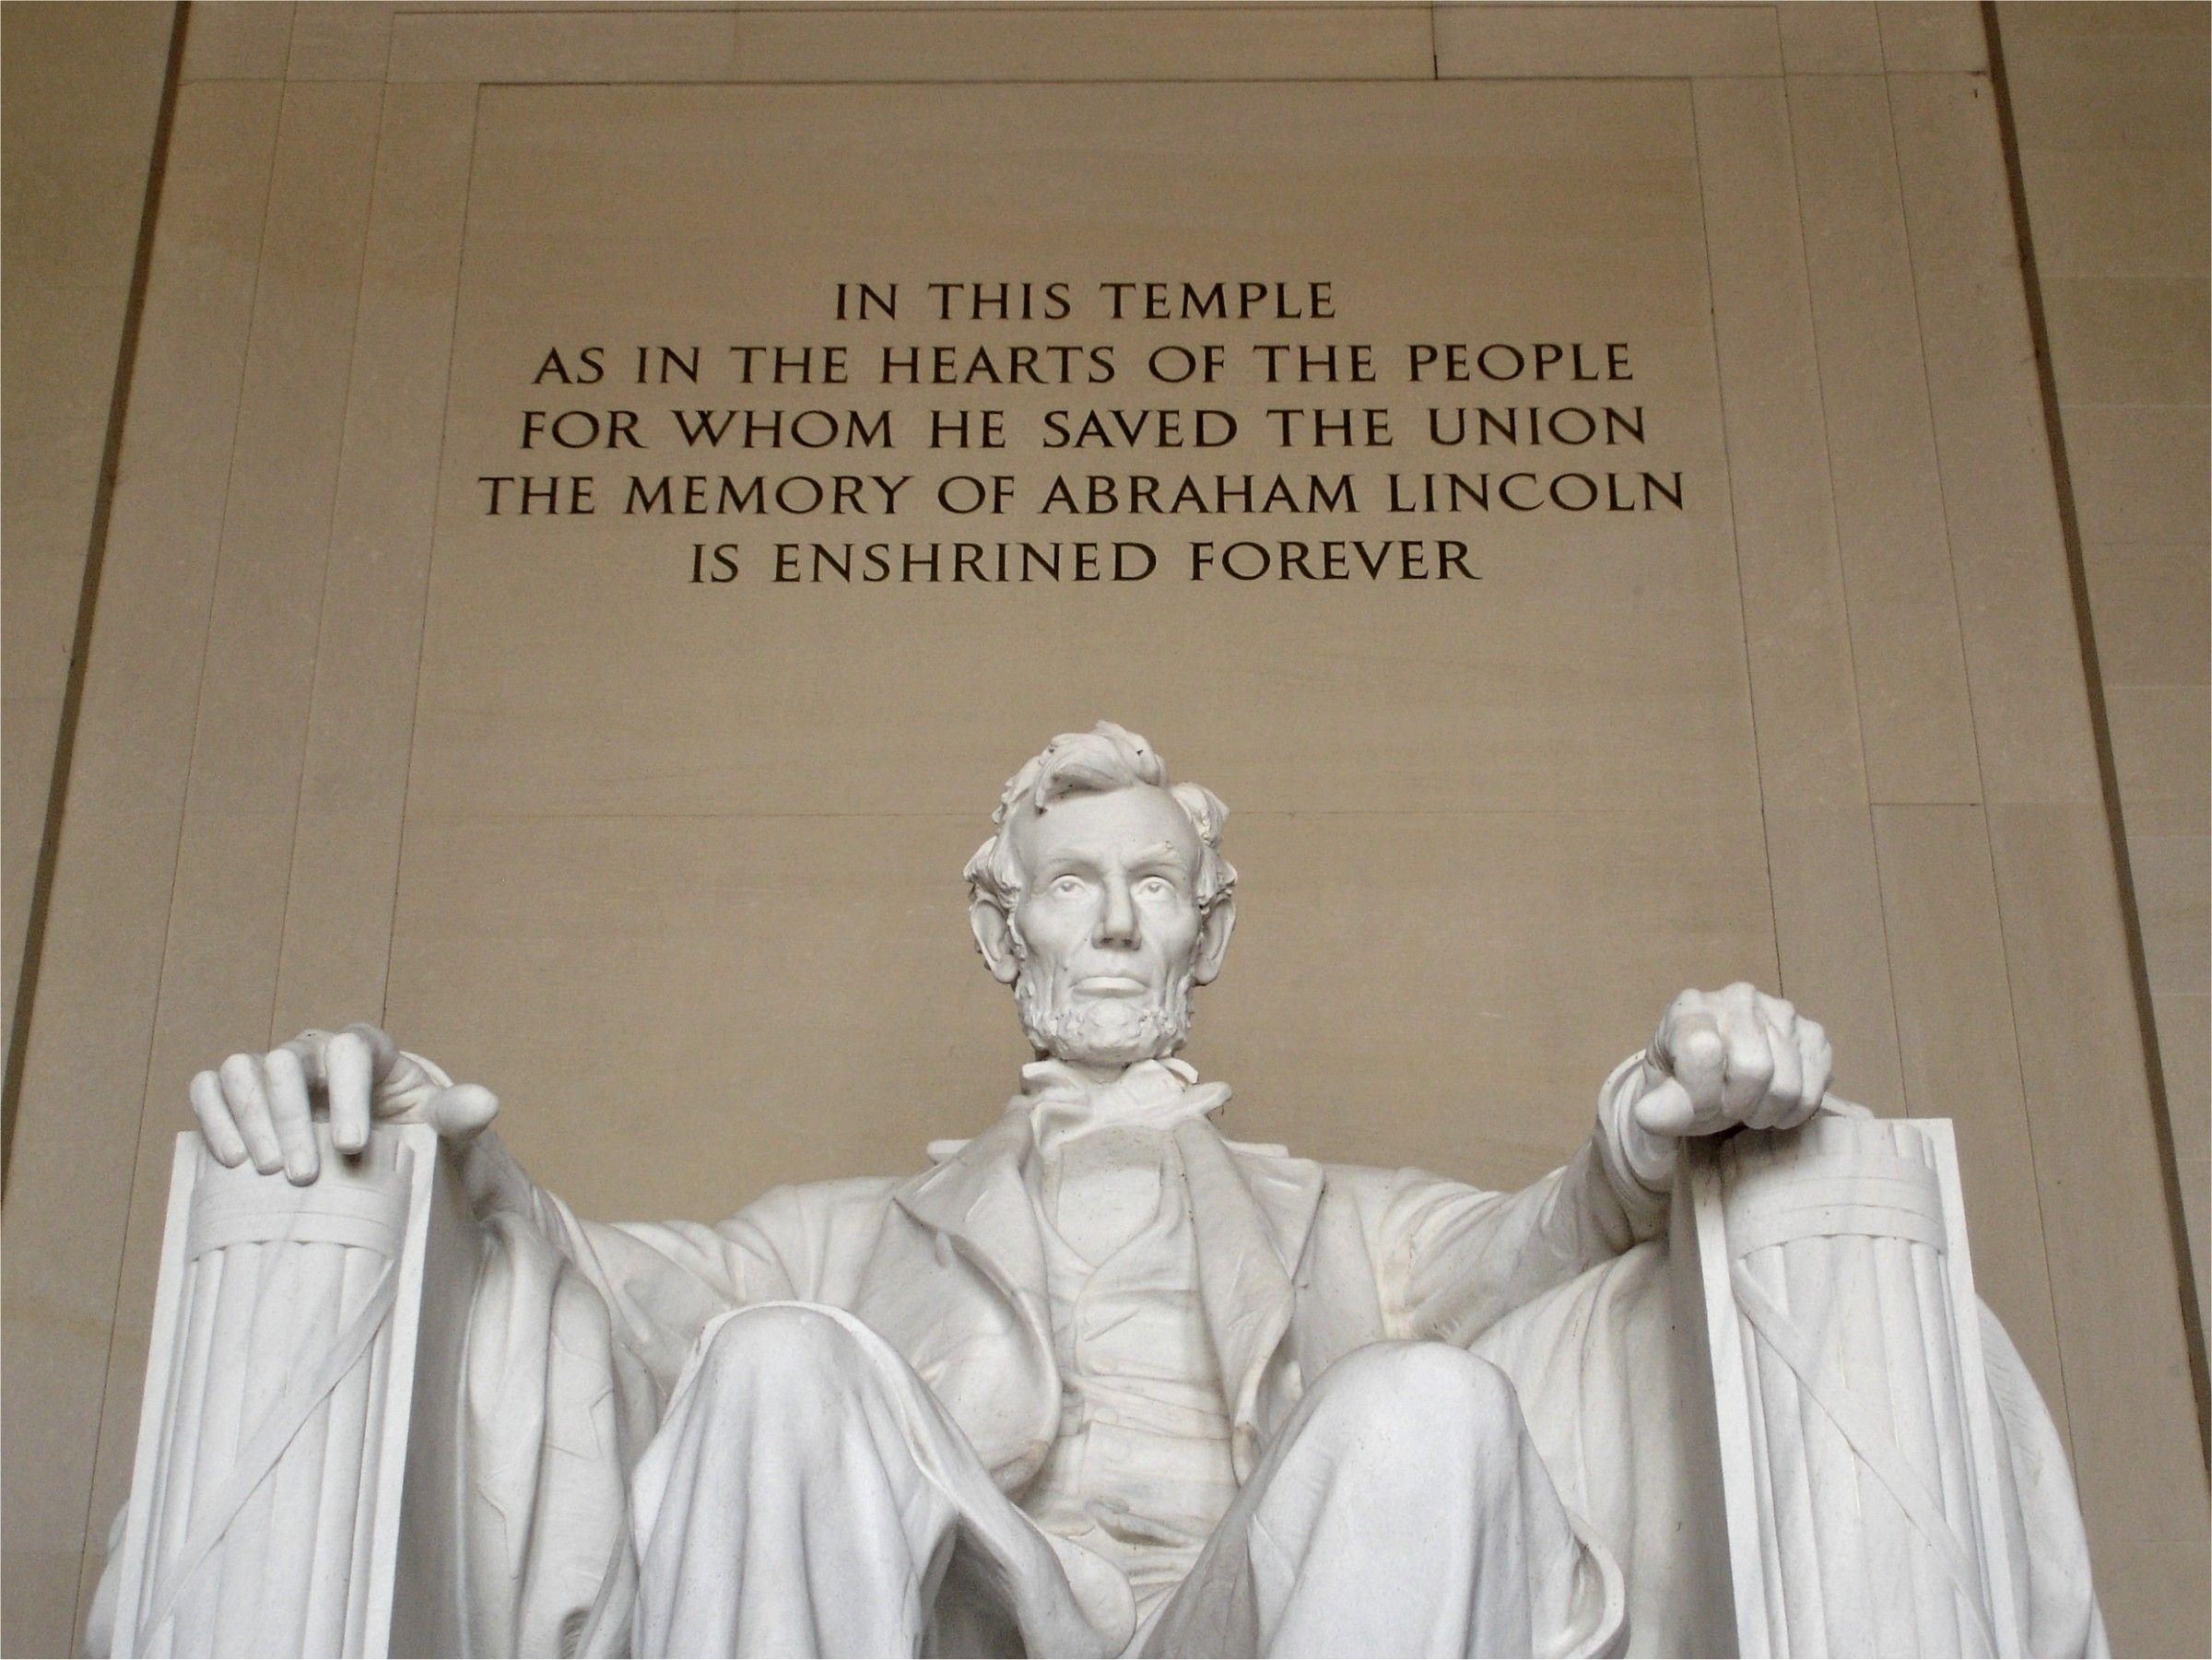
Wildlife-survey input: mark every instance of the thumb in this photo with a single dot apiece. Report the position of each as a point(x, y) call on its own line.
point(1666, 1108)
point(460, 1113)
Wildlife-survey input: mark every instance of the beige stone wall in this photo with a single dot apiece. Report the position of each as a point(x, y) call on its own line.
point(81, 103)
point(2109, 102)
point(299, 793)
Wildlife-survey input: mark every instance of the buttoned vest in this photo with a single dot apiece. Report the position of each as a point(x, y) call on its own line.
point(1141, 1468)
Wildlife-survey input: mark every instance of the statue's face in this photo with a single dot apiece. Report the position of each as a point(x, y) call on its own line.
point(1112, 933)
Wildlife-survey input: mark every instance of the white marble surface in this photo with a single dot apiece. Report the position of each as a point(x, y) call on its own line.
point(1872, 1492)
point(1102, 1381)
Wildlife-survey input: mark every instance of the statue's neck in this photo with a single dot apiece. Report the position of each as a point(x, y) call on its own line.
point(1098, 1075)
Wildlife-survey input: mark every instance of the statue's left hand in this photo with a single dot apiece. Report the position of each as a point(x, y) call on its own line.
point(1732, 1057)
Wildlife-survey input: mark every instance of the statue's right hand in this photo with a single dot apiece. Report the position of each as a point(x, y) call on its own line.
point(262, 1107)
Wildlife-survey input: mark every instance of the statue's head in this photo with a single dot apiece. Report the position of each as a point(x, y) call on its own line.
point(1102, 898)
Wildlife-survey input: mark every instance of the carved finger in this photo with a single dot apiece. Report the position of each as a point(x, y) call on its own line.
point(460, 1112)
point(346, 1069)
point(1666, 1108)
point(1785, 1105)
point(216, 1126)
point(1675, 1021)
point(350, 1110)
point(1819, 1060)
point(383, 1054)
point(250, 1111)
point(309, 1046)
point(1750, 1062)
point(289, 1113)
point(1689, 1049)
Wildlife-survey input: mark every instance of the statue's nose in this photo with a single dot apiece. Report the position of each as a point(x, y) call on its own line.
point(1117, 916)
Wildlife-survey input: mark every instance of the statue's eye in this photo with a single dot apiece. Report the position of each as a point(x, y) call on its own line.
point(1068, 888)
point(1156, 887)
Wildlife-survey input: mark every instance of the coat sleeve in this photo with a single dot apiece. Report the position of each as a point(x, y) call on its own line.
point(1453, 1259)
point(660, 1281)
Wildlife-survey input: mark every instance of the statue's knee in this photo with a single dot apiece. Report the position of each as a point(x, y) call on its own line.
point(781, 1348)
point(1424, 1398)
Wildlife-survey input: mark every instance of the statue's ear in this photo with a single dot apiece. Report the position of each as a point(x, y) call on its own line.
point(1213, 939)
point(995, 938)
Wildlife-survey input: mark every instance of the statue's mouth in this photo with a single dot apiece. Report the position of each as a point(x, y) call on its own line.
point(1111, 985)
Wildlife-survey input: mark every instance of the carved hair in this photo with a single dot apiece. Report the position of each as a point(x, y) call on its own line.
point(1106, 758)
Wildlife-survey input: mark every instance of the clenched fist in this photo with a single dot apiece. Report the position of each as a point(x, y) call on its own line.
point(1732, 1057)
point(263, 1106)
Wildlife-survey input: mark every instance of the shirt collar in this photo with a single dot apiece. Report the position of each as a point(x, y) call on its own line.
point(1064, 1103)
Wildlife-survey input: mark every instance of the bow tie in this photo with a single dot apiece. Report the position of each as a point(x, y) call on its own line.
point(1152, 1095)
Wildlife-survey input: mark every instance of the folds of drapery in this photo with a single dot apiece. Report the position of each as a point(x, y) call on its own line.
point(1606, 1386)
point(556, 1414)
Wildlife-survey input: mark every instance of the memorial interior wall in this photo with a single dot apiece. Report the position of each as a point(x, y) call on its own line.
point(2109, 108)
point(81, 109)
point(672, 864)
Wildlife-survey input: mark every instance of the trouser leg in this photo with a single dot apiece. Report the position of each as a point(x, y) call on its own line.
point(1402, 1510)
point(781, 1510)
point(806, 1494)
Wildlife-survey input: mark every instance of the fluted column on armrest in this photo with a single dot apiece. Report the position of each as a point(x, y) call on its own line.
point(1858, 1460)
point(292, 1328)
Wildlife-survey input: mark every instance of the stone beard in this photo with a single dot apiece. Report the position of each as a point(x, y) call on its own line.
point(1119, 1032)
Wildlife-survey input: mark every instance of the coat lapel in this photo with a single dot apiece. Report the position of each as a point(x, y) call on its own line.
point(957, 1285)
point(1251, 1212)
point(977, 1196)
